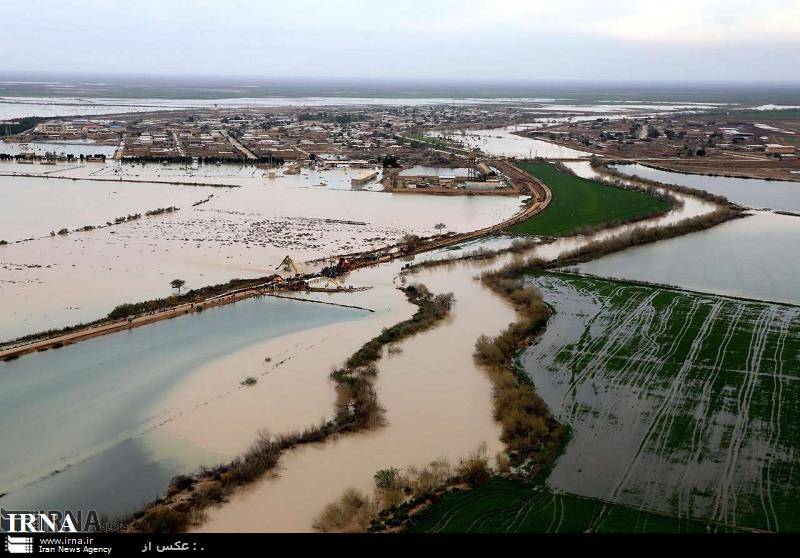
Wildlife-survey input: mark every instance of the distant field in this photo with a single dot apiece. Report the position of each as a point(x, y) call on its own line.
point(768, 115)
point(578, 203)
point(504, 506)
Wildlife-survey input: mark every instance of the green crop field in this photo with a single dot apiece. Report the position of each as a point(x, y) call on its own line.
point(579, 203)
point(682, 403)
point(684, 410)
point(505, 506)
point(766, 115)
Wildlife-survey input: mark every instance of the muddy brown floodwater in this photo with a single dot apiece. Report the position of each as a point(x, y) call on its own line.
point(438, 402)
point(241, 232)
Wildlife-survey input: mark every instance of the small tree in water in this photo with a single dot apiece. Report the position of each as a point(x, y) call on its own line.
point(386, 478)
point(177, 284)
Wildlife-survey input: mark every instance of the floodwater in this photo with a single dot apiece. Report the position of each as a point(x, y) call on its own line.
point(749, 192)
point(680, 403)
point(240, 232)
point(89, 418)
point(421, 170)
point(753, 257)
point(76, 148)
point(502, 142)
point(33, 206)
point(21, 107)
point(745, 258)
point(438, 401)
point(438, 404)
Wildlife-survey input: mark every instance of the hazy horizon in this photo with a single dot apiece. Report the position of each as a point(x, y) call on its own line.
point(65, 85)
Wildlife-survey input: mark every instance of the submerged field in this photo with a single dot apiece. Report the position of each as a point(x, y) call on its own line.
point(579, 203)
point(504, 506)
point(684, 410)
point(682, 403)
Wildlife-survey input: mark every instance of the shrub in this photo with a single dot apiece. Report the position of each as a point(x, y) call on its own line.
point(502, 463)
point(352, 513)
point(386, 478)
point(180, 482)
point(474, 469)
point(162, 519)
point(249, 381)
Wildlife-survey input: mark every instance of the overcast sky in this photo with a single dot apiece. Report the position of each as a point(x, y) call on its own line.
point(697, 40)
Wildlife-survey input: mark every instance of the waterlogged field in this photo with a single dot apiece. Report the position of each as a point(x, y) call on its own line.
point(579, 203)
point(750, 192)
point(680, 403)
point(505, 506)
point(49, 282)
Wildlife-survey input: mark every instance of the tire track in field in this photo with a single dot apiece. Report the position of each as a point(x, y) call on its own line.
point(650, 380)
point(640, 366)
point(590, 341)
point(621, 334)
point(726, 501)
point(677, 395)
point(773, 438)
point(704, 420)
point(651, 428)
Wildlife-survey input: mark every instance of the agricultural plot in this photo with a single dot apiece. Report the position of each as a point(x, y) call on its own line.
point(504, 506)
point(680, 403)
point(582, 204)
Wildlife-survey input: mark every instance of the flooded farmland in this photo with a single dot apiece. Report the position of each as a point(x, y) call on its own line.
point(749, 192)
point(747, 257)
point(110, 395)
point(240, 232)
point(680, 403)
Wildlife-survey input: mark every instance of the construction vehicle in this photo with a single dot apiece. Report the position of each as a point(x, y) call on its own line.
point(289, 265)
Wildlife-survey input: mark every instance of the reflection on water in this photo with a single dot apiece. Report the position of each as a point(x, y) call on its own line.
point(754, 257)
point(750, 192)
point(90, 407)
